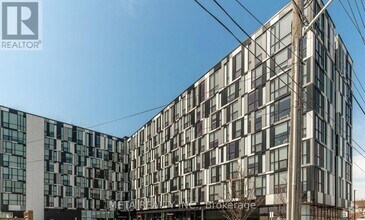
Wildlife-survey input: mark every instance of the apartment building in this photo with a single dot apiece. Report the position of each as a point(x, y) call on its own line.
point(235, 118)
point(59, 170)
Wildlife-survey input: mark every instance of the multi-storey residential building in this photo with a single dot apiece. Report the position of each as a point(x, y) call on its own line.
point(238, 113)
point(233, 121)
point(58, 170)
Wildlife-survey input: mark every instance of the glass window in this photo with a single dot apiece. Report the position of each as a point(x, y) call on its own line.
point(13, 121)
point(260, 43)
point(213, 83)
point(279, 86)
point(232, 170)
point(253, 100)
point(281, 32)
point(213, 193)
point(260, 185)
point(281, 134)
point(256, 142)
point(281, 60)
point(253, 165)
point(279, 159)
point(237, 66)
point(233, 111)
point(215, 174)
point(320, 130)
point(280, 182)
point(258, 76)
point(213, 139)
point(280, 110)
point(236, 129)
point(233, 150)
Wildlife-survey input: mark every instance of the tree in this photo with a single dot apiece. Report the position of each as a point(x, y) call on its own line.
point(239, 197)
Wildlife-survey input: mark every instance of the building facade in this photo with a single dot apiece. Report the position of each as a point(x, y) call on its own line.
point(235, 119)
point(58, 170)
point(233, 122)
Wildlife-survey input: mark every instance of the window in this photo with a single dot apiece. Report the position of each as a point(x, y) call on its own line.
point(305, 152)
point(213, 104)
point(281, 134)
point(279, 159)
point(48, 129)
point(213, 139)
point(260, 183)
point(215, 120)
point(280, 110)
point(319, 102)
point(231, 92)
point(237, 66)
point(232, 170)
point(202, 91)
point(279, 86)
point(320, 130)
point(232, 111)
point(13, 148)
point(258, 120)
point(79, 136)
point(213, 193)
point(215, 174)
point(253, 101)
point(226, 74)
point(236, 129)
point(260, 43)
point(280, 60)
point(233, 150)
point(258, 76)
point(13, 161)
point(280, 182)
point(319, 155)
point(320, 76)
point(256, 142)
point(12, 135)
point(213, 83)
point(13, 121)
point(318, 180)
point(253, 165)
point(281, 33)
point(319, 53)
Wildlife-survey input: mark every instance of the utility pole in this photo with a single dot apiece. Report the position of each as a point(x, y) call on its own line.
point(295, 140)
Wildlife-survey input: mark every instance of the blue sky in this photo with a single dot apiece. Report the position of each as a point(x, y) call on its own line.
point(103, 60)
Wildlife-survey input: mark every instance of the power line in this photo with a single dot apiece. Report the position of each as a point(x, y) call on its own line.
point(363, 89)
point(353, 71)
point(358, 166)
point(108, 122)
point(363, 111)
point(358, 10)
point(248, 35)
point(359, 93)
point(353, 14)
point(353, 22)
point(363, 5)
point(266, 52)
point(267, 29)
